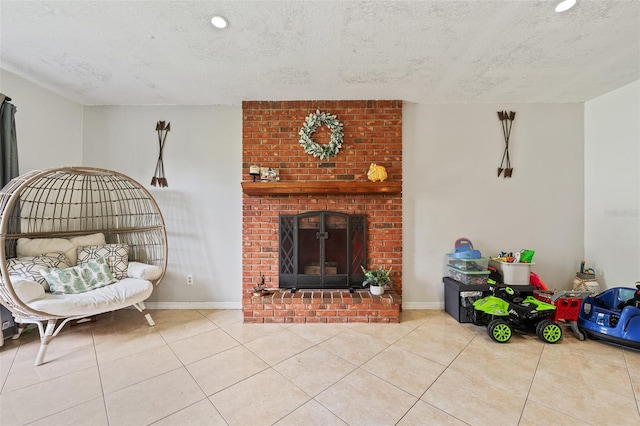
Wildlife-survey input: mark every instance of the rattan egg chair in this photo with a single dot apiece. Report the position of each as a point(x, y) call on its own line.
point(70, 202)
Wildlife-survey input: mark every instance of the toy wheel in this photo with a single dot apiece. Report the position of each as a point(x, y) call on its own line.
point(499, 331)
point(549, 331)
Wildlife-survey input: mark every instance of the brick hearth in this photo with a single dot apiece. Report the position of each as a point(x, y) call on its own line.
point(372, 134)
point(322, 306)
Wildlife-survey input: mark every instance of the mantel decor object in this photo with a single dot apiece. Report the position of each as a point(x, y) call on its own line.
point(506, 118)
point(269, 174)
point(311, 124)
point(158, 179)
point(254, 171)
point(261, 288)
point(377, 173)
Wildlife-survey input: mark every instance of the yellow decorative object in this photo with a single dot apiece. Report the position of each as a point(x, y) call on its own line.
point(377, 173)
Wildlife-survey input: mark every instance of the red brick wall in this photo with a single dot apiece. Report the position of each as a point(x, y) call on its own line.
point(372, 134)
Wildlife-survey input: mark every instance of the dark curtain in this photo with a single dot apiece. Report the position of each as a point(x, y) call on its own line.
point(8, 170)
point(9, 160)
point(8, 143)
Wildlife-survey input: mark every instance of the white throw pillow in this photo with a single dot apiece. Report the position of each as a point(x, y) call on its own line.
point(144, 271)
point(38, 246)
point(28, 291)
point(89, 240)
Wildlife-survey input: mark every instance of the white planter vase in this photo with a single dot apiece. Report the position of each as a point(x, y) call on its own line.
point(376, 290)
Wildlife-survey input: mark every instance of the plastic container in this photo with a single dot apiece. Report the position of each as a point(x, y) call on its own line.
point(468, 277)
point(513, 273)
point(468, 297)
point(468, 264)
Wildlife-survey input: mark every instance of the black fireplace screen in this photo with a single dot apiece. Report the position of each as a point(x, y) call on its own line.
point(322, 249)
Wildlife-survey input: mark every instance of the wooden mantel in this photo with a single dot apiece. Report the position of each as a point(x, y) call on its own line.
point(320, 188)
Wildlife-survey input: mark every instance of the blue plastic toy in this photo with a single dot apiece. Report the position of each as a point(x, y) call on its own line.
point(464, 250)
point(613, 315)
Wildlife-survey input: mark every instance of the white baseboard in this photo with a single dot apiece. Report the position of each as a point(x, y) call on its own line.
point(423, 305)
point(193, 305)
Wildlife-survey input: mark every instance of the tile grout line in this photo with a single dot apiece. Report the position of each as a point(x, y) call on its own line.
point(633, 389)
point(446, 367)
point(389, 345)
point(269, 367)
point(527, 400)
point(166, 343)
point(533, 378)
point(206, 398)
point(240, 344)
point(9, 371)
point(184, 367)
point(311, 397)
point(95, 352)
point(13, 360)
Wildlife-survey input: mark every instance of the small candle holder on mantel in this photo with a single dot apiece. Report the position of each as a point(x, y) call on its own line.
point(254, 171)
point(261, 288)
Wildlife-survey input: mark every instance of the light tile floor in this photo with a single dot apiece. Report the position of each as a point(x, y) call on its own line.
point(198, 367)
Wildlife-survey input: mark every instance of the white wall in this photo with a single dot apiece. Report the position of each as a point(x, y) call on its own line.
point(451, 153)
point(202, 206)
point(612, 186)
point(48, 126)
point(451, 189)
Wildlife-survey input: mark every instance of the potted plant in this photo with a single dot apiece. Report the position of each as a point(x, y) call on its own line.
point(377, 279)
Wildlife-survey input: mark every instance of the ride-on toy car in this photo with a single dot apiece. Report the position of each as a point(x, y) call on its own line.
point(613, 315)
point(506, 310)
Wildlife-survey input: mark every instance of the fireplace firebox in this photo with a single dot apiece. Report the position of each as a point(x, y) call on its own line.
point(322, 250)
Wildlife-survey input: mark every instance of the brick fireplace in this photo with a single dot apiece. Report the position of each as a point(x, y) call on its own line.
point(372, 134)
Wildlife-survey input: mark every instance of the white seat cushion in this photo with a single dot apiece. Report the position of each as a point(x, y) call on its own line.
point(115, 296)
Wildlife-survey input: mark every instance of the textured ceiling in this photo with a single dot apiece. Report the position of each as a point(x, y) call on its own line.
point(167, 52)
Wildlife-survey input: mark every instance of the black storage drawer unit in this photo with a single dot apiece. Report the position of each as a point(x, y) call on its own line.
point(452, 301)
point(452, 290)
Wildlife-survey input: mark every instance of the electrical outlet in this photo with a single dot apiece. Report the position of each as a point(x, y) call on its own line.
point(6, 325)
point(189, 279)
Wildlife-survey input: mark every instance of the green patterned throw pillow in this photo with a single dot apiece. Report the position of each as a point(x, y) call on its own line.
point(97, 273)
point(79, 279)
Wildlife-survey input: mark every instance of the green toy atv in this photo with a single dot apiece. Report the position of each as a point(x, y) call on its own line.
point(505, 310)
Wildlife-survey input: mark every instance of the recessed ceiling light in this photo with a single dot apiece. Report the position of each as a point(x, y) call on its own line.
point(565, 5)
point(220, 22)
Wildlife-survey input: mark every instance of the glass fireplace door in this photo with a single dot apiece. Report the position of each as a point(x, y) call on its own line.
point(321, 250)
point(310, 256)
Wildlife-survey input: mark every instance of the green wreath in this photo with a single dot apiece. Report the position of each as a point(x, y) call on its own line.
point(311, 124)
